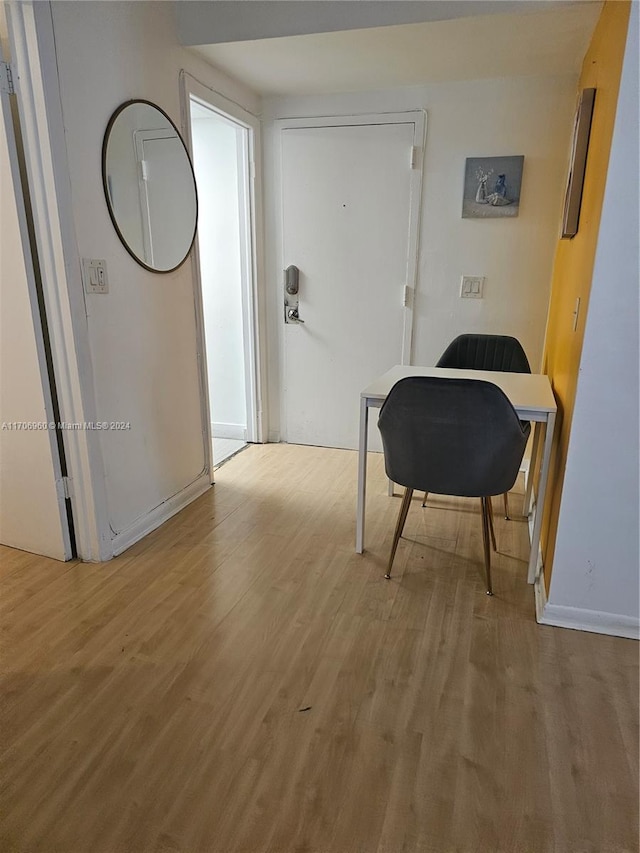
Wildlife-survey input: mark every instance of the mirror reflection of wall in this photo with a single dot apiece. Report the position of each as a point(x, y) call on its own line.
point(149, 185)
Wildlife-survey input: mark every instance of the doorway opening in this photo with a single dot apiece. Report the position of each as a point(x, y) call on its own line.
point(221, 149)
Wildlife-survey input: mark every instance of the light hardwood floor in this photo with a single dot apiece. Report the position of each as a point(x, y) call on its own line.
point(241, 680)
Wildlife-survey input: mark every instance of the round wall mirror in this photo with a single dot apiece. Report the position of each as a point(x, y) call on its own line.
point(149, 185)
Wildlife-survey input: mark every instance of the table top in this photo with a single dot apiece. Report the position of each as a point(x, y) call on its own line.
point(527, 392)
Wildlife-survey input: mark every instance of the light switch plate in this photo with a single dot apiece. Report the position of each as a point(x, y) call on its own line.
point(471, 286)
point(94, 275)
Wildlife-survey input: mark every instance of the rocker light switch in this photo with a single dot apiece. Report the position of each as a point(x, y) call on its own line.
point(94, 276)
point(471, 287)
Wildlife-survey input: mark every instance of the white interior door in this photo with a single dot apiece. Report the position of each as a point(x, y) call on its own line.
point(350, 226)
point(33, 513)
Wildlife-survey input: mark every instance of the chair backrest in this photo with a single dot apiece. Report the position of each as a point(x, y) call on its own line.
point(451, 436)
point(486, 352)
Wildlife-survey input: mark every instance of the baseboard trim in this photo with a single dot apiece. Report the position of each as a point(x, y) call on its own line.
point(594, 621)
point(126, 538)
point(237, 431)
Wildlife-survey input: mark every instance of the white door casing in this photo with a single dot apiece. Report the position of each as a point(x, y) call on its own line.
point(33, 57)
point(33, 514)
point(351, 190)
point(254, 309)
point(220, 164)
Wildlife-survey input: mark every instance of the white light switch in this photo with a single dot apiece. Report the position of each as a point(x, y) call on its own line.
point(94, 276)
point(471, 286)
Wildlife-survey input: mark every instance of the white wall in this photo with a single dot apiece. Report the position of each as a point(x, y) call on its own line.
point(530, 116)
point(30, 514)
point(142, 335)
point(596, 562)
point(215, 151)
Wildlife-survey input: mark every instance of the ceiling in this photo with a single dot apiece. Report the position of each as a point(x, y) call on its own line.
point(216, 21)
point(550, 40)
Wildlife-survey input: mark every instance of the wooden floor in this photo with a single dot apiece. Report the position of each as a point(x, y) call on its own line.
point(241, 680)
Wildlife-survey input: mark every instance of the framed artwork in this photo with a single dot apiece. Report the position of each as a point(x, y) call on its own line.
point(578, 163)
point(492, 187)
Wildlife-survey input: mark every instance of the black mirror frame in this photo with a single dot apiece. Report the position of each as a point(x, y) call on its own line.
point(105, 142)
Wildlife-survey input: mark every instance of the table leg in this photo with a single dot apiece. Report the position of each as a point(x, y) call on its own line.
point(540, 498)
point(390, 488)
point(362, 474)
point(533, 463)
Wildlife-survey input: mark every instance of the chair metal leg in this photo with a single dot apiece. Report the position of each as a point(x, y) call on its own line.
point(507, 517)
point(491, 530)
point(402, 517)
point(485, 541)
point(424, 500)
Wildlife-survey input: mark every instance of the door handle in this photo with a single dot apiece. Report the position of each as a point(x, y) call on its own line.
point(291, 298)
point(292, 279)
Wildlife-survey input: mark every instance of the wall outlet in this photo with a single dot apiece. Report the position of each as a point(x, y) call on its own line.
point(94, 276)
point(576, 312)
point(471, 287)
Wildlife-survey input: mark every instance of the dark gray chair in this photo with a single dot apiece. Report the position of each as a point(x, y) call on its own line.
point(451, 437)
point(486, 352)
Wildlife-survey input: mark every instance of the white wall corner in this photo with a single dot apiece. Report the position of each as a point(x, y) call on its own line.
point(578, 618)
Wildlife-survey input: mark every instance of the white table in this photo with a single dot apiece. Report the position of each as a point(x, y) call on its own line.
point(532, 398)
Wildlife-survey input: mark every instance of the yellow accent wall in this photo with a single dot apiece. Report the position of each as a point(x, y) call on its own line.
point(573, 265)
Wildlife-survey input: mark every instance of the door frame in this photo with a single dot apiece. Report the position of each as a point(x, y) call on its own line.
point(419, 120)
point(38, 318)
point(252, 262)
point(33, 56)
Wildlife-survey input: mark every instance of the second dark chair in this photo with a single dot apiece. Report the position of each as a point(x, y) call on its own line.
point(487, 352)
